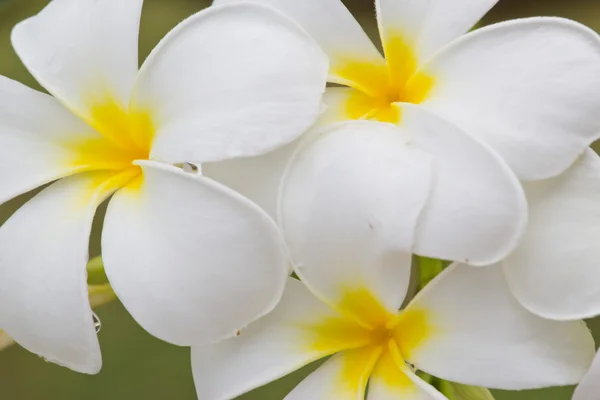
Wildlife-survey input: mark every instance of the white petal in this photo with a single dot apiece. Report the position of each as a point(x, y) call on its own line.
point(391, 382)
point(334, 28)
point(82, 51)
point(480, 335)
point(428, 25)
point(589, 387)
point(525, 87)
point(192, 261)
point(258, 178)
point(477, 210)
point(281, 342)
point(554, 272)
point(342, 377)
point(215, 94)
point(35, 137)
point(43, 288)
point(349, 207)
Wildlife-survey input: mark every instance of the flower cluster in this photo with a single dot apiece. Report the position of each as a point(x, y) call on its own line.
point(229, 158)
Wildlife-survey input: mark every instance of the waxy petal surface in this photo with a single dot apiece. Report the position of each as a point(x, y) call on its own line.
point(477, 211)
point(82, 51)
point(350, 203)
point(215, 94)
point(427, 25)
point(554, 272)
point(192, 261)
point(480, 335)
point(336, 31)
point(290, 337)
point(43, 282)
point(38, 139)
point(525, 87)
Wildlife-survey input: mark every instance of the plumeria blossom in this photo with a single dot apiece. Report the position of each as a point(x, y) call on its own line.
point(190, 259)
point(508, 102)
point(465, 326)
point(554, 272)
point(589, 387)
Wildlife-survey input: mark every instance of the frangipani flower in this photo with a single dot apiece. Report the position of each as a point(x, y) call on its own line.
point(465, 326)
point(555, 271)
point(518, 97)
point(589, 388)
point(191, 260)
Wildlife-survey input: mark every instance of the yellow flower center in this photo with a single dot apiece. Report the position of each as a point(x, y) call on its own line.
point(126, 136)
point(385, 339)
point(379, 86)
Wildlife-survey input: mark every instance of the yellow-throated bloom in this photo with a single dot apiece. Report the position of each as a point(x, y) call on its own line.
point(519, 95)
point(464, 326)
point(190, 259)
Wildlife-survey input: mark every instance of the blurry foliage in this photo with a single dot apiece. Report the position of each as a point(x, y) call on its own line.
point(136, 365)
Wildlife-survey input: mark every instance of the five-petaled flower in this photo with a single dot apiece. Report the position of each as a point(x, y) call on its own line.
point(465, 326)
point(478, 112)
point(191, 260)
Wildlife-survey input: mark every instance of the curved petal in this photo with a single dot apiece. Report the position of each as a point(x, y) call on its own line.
point(214, 94)
point(349, 206)
point(559, 253)
point(338, 34)
point(343, 377)
point(590, 385)
point(38, 139)
point(480, 335)
point(281, 342)
point(43, 283)
point(390, 381)
point(474, 193)
point(426, 25)
point(526, 87)
point(192, 261)
point(84, 52)
point(258, 178)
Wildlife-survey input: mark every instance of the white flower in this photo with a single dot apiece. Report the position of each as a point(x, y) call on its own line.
point(465, 326)
point(555, 271)
point(589, 387)
point(191, 260)
point(515, 98)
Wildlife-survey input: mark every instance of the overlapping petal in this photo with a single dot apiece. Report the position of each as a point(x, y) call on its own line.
point(350, 203)
point(477, 211)
point(43, 285)
point(427, 25)
point(480, 335)
point(554, 272)
point(258, 178)
point(281, 342)
point(343, 376)
point(84, 52)
point(590, 385)
point(192, 261)
point(525, 87)
point(215, 94)
point(38, 139)
point(390, 381)
point(341, 37)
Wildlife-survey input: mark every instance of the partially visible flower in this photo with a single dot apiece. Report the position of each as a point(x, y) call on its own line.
point(464, 326)
point(555, 270)
point(516, 97)
point(589, 388)
point(190, 259)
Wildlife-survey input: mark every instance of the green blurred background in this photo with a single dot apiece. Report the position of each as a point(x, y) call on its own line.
point(137, 366)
